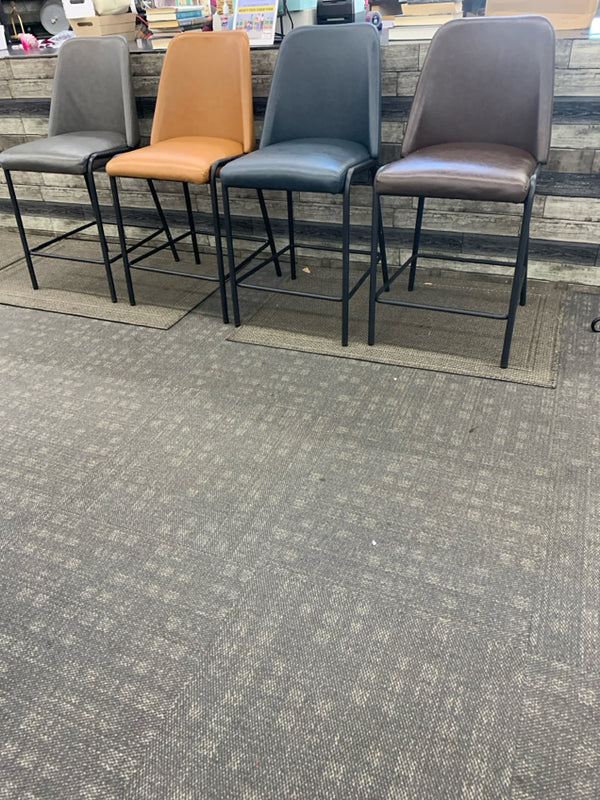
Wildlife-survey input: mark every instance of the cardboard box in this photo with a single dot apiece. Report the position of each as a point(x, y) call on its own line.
point(82, 9)
point(75, 9)
point(565, 16)
point(123, 24)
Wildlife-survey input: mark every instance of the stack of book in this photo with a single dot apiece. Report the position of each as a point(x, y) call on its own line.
point(166, 22)
point(420, 19)
point(427, 8)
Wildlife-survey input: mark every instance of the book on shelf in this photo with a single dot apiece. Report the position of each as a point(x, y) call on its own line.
point(150, 18)
point(191, 13)
point(429, 8)
point(429, 20)
point(173, 27)
point(193, 23)
point(175, 19)
point(190, 9)
point(417, 27)
point(163, 14)
point(164, 26)
point(161, 43)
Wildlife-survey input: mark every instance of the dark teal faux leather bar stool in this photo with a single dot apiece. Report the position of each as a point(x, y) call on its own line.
point(92, 118)
point(321, 131)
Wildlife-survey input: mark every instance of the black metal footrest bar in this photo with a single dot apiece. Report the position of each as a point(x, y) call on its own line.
point(65, 257)
point(174, 272)
point(262, 264)
point(448, 309)
point(465, 260)
point(282, 252)
point(143, 241)
point(277, 290)
point(398, 271)
point(330, 248)
point(314, 295)
point(35, 250)
point(133, 263)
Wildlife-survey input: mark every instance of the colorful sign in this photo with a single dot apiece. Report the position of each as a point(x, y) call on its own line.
point(257, 20)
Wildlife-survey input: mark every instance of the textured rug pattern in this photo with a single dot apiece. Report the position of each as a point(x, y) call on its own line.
point(257, 573)
point(81, 288)
point(465, 345)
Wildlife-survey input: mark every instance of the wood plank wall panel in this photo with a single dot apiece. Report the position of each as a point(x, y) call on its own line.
point(566, 220)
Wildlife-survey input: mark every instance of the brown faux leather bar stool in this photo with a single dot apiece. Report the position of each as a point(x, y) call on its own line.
point(203, 119)
point(479, 129)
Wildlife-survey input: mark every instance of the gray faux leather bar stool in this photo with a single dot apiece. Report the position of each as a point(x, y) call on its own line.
point(479, 129)
point(92, 118)
point(322, 129)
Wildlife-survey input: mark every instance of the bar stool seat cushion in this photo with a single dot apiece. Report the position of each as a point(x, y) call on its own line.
point(184, 158)
point(302, 165)
point(65, 153)
point(461, 170)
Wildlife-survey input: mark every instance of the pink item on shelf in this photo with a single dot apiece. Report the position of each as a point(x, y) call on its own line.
point(29, 41)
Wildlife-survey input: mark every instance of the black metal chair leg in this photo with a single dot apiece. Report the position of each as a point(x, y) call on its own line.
point(346, 260)
point(231, 258)
point(382, 248)
point(291, 234)
point(376, 239)
point(21, 228)
point(383, 252)
point(218, 243)
point(269, 231)
point(519, 276)
point(416, 242)
point(122, 242)
point(191, 223)
point(91, 187)
point(162, 218)
point(523, 299)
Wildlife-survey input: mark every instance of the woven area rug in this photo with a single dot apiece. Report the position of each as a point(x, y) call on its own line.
point(81, 288)
point(405, 337)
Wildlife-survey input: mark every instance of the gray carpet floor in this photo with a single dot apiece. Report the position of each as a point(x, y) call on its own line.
point(235, 572)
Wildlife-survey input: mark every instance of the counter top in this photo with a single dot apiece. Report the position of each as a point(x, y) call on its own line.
point(143, 46)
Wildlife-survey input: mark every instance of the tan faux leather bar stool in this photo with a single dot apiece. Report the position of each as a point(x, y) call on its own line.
point(92, 117)
point(478, 129)
point(203, 119)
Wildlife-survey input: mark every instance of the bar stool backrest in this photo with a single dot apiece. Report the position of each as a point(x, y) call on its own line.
point(327, 84)
point(486, 80)
point(205, 89)
point(92, 88)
